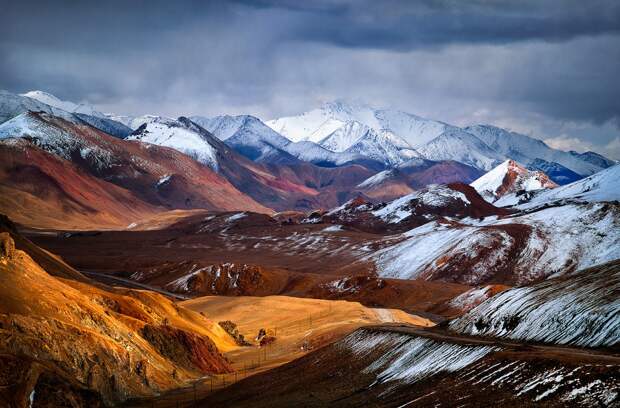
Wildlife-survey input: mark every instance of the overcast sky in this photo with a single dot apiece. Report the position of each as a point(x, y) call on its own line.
point(544, 68)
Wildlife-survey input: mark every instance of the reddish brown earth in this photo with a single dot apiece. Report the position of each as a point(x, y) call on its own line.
point(252, 255)
point(357, 213)
point(54, 183)
point(255, 254)
point(468, 300)
point(329, 187)
point(515, 171)
point(404, 180)
point(40, 190)
point(76, 342)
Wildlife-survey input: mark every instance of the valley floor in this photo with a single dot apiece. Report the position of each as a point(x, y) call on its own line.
point(298, 325)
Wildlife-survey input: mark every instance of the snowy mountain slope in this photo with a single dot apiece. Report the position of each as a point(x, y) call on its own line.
point(283, 183)
point(248, 136)
point(434, 196)
point(107, 125)
point(414, 371)
point(381, 147)
point(510, 250)
point(385, 136)
point(314, 125)
point(581, 309)
point(241, 127)
point(222, 127)
point(68, 106)
point(602, 186)
point(379, 178)
point(415, 174)
point(556, 172)
point(404, 367)
point(430, 203)
point(415, 130)
point(525, 149)
point(338, 126)
point(52, 138)
point(466, 301)
point(314, 153)
point(12, 105)
point(318, 124)
point(594, 158)
point(510, 178)
point(172, 133)
point(345, 136)
point(456, 144)
point(134, 122)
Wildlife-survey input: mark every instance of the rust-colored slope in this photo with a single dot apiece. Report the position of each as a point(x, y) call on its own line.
point(398, 182)
point(515, 178)
point(250, 254)
point(91, 344)
point(53, 264)
point(39, 189)
point(54, 160)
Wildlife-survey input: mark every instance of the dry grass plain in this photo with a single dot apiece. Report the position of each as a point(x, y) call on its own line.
point(298, 324)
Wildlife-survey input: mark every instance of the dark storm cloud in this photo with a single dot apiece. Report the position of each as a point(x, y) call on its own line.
point(551, 65)
point(407, 25)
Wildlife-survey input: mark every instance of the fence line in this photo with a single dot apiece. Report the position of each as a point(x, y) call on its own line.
point(190, 396)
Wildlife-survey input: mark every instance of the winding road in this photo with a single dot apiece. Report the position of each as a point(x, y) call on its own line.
point(128, 283)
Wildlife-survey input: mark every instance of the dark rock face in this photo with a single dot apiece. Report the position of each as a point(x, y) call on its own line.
point(7, 246)
point(231, 328)
point(187, 349)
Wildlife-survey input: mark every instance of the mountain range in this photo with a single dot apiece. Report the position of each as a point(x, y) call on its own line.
point(350, 132)
point(319, 159)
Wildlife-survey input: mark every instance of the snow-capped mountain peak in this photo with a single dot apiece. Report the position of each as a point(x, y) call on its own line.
point(179, 135)
point(248, 135)
point(385, 136)
point(509, 178)
point(318, 124)
point(434, 195)
point(383, 147)
point(68, 106)
point(225, 127)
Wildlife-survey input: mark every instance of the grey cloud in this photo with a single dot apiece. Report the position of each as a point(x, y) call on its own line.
point(406, 25)
point(540, 66)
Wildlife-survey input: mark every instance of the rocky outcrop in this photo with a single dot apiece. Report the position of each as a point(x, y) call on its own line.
point(186, 349)
point(72, 343)
point(231, 328)
point(7, 247)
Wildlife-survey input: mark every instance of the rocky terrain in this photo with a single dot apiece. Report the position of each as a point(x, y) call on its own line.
point(558, 310)
point(71, 342)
